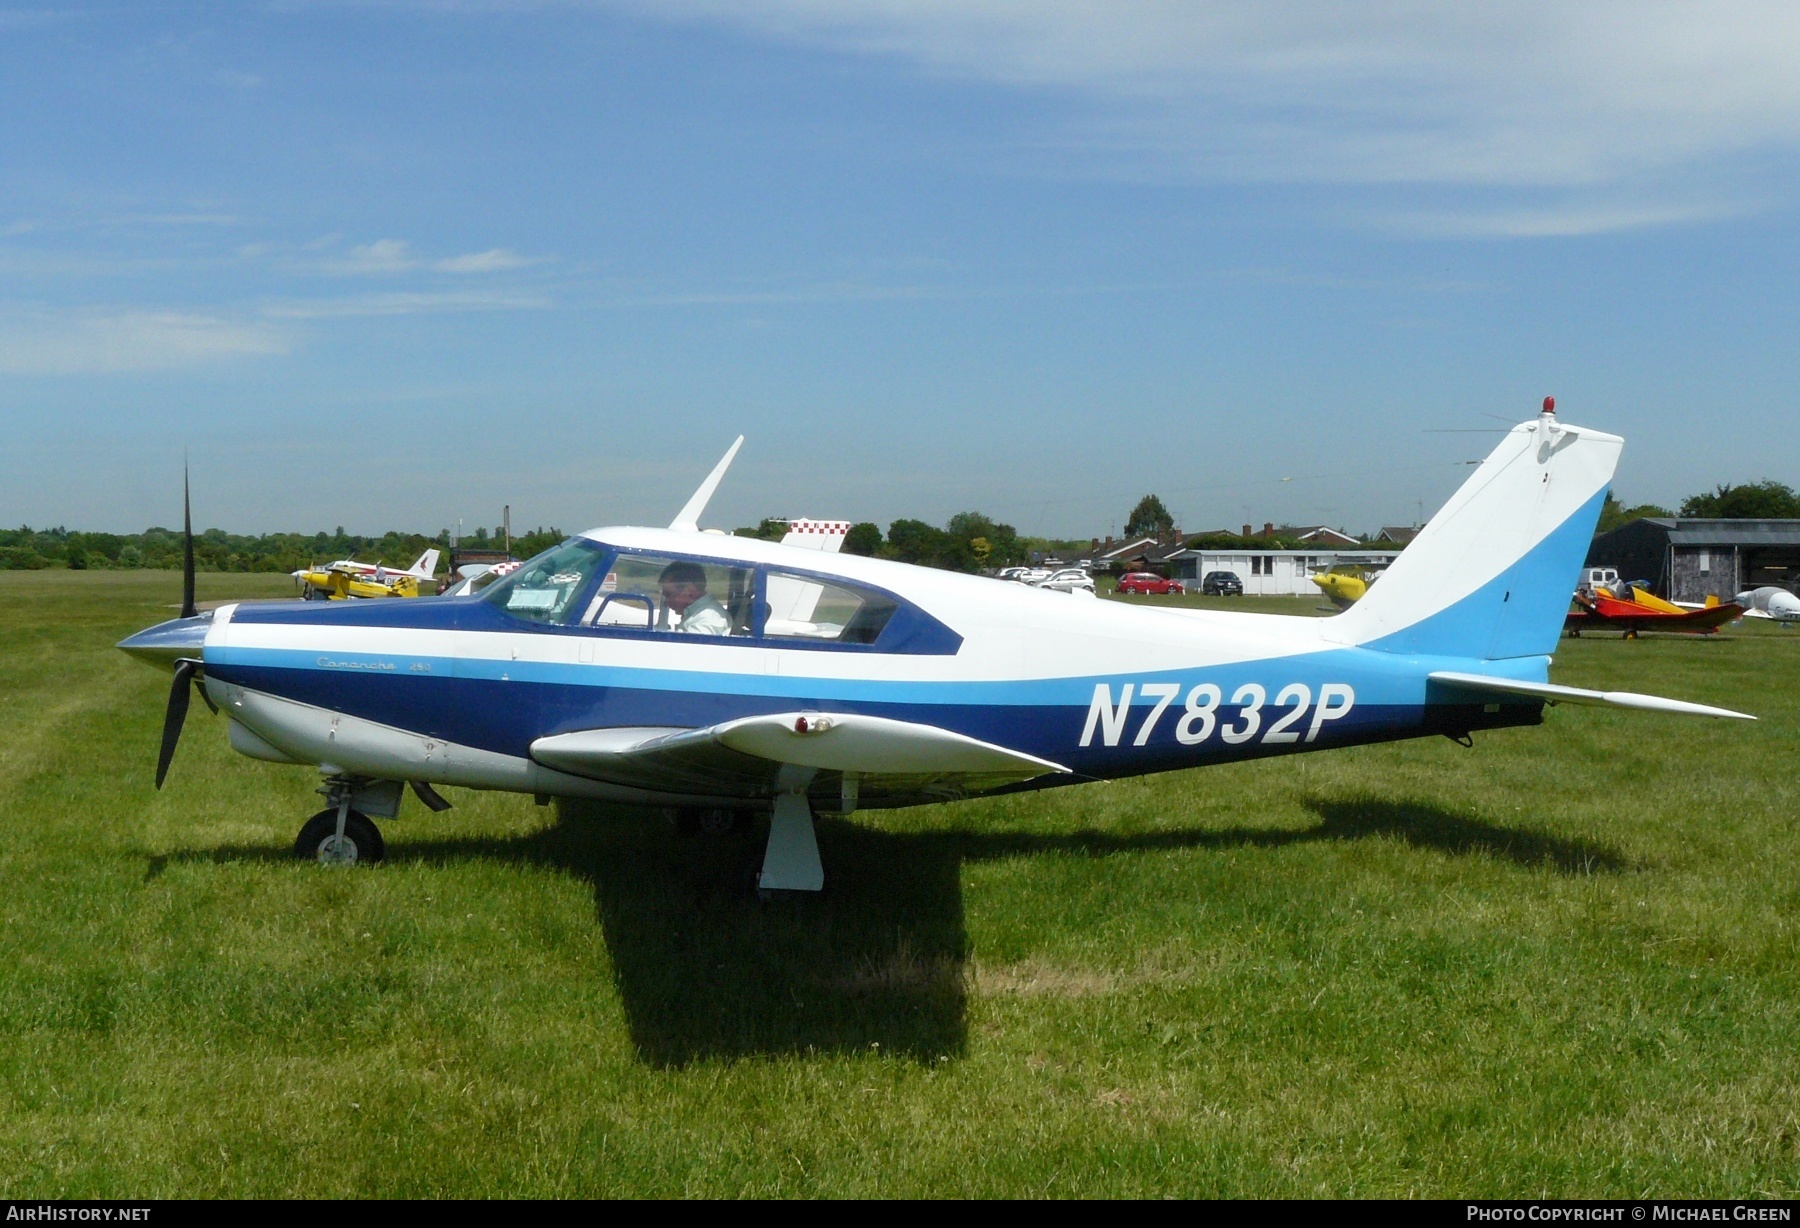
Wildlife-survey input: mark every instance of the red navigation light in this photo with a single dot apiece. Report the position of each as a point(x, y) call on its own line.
point(800, 724)
point(1549, 405)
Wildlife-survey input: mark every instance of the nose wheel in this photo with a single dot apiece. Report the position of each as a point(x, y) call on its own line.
point(339, 837)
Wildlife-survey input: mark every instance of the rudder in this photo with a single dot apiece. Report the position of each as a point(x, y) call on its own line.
point(1491, 575)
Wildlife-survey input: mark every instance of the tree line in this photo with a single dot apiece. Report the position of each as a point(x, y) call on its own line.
point(968, 541)
point(1765, 500)
point(31, 549)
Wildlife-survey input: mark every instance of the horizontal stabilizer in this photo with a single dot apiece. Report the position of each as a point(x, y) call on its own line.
point(1575, 695)
point(743, 757)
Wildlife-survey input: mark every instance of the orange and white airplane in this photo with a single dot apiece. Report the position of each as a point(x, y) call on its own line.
point(1645, 611)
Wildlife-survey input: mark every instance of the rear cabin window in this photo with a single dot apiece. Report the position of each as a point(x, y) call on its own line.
point(804, 607)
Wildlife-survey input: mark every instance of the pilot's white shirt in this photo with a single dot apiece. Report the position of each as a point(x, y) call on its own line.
point(705, 617)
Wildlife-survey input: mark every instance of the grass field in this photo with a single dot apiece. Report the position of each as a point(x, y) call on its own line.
point(1561, 963)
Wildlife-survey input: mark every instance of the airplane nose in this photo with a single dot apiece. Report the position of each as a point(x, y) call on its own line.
point(166, 643)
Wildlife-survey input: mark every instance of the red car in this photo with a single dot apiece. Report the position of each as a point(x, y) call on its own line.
point(1145, 582)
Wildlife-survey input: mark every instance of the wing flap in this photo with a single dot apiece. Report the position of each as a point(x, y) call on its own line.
point(1575, 695)
point(742, 757)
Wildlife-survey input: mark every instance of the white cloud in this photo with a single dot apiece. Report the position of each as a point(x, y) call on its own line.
point(113, 342)
point(192, 218)
point(381, 256)
point(1637, 97)
point(387, 256)
point(1551, 221)
point(402, 304)
point(494, 260)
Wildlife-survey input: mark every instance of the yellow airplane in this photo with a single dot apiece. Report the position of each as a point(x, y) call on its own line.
point(1667, 607)
point(349, 578)
point(338, 585)
point(1345, 588)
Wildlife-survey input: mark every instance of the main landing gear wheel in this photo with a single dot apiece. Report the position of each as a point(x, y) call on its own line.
point(319, 840)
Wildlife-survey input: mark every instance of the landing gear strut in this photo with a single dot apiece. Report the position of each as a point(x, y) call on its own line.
point(791, 861)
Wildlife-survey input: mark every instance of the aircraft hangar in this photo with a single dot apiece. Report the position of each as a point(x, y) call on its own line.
point(1690, 559)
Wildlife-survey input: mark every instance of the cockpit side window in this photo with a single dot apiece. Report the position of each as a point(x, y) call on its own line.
point(547, 589)
point(684, 596)
point(581, 585)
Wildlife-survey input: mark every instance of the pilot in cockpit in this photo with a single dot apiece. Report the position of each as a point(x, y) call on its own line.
point(684, 593)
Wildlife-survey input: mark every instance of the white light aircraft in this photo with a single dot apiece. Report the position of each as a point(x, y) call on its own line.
point(672, 668)
point(1770, 602)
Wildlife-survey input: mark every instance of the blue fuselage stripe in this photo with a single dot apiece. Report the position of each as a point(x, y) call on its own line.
point(504, 706)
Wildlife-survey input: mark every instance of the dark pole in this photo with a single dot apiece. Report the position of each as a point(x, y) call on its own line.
point(187, 548)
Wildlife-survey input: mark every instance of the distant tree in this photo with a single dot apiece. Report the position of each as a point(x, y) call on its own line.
point(1753, 501)
point(529, 545)
point(914, 541)
point(772, 529)
point(863, 539)
point(1613, 513)
point(21, 558)
point(1149, 518)
point(1001, 541)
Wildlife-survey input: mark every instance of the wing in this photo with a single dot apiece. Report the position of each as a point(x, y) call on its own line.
point(741, 758)
point(1484, 684)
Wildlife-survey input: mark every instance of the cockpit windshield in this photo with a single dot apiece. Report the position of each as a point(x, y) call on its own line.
point(547, 587)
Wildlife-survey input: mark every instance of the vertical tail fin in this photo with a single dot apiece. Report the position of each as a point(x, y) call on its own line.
point(1491, 575)
point(426, 567)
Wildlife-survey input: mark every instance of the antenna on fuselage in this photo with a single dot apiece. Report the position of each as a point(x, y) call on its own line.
point(688, 519)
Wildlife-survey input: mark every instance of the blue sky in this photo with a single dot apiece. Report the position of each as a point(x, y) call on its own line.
point(392, 265)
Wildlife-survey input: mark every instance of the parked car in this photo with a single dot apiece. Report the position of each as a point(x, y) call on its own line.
point(1148, 582)
point(1068, 580)
point(1222, 584)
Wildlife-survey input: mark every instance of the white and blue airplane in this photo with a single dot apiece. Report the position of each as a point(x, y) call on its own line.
point(725, 676)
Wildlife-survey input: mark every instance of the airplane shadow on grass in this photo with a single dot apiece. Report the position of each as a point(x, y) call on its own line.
point(706, 970)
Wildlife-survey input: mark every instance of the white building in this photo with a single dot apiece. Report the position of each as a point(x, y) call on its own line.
point(1271, 573)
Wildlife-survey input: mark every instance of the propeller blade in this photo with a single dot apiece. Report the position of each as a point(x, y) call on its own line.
point(175, 717)
point(187, 558)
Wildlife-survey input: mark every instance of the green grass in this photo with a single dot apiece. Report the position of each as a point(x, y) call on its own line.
point(1561, 963)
